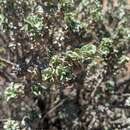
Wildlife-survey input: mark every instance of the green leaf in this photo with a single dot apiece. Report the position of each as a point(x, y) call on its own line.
point(110, 84)
point(33, 23)
point(11, 125)
point(74, 24)
point(88, 50)
point(55, 60)
point(47, 74)
point(62, 72)
point(1, 19)
point(123, 59)
point(36, 89)
point(13, 90)
point(105, 46)
point(73, 55)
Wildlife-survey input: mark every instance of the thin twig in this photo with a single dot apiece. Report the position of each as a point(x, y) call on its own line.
point(122, 95)
point(95, 89)
point(90, 126)
point(55, 107)
point(7, 62)
point(3, 120)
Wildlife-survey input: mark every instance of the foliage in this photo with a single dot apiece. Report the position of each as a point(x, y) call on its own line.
point(13, 90)
point(11, 125)
point(33, 25)
point(65, 58)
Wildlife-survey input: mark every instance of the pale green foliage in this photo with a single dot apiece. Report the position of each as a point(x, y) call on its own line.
point(74, 24)
point(105, 46)
point(36, 89)
point(93, 8)
point(127, 102)
point(34, 22)
point(63, 2)
point(66, 42)
point(2, 1)
point(1, 19)
point(60, 70)
point(73, 55)
point(123, 59)
point(14, 90)
point(33, 25)
point(88, 50)
point(2, 65)
point(110, 85)
point(48, 73)
point(55, 60)
point(11, 125)
point(67, 4)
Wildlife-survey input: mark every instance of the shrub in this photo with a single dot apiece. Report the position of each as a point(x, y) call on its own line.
point(66, 57)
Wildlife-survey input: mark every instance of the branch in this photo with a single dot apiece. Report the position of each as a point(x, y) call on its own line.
point(55, 107)
point(7, 62)
point(95, 89)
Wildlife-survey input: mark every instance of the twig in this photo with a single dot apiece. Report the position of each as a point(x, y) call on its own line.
point(3, 120)
point(122, 95)
point(55, 107)
point(7, 62)
point(90, 126)
point(7, 76)
point(95, 89)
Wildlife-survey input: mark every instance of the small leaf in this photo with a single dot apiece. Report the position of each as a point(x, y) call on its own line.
point(123, 59)
point(47, 74)
point(105, 46)
point(88, 50)
point(1, 19)
point(13, 90)
point(55, 60)
point(73, 55)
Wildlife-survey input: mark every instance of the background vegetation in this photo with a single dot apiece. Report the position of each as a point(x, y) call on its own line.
point(63, 65)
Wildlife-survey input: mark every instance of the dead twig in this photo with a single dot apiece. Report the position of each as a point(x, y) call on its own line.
point(95, 89)
point(90, 126)
point(7, 62)
point(55, 107)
